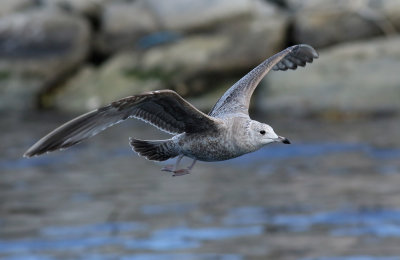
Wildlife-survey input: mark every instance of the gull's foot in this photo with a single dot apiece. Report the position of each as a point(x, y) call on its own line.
point(180, 172)
point(168, 168)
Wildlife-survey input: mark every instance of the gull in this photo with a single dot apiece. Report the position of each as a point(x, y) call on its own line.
point(226, 132)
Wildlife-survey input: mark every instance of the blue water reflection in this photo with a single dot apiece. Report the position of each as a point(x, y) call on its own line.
point(181, 256)
point(166, 208)
point(91, 236)
point(101, 228)
point(362, 257)
point(239, 222)
point(271, 152)
point(274, 152)
point(345, 222)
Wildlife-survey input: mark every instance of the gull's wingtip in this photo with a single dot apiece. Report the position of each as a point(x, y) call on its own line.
point(309, 48)
point(31, 152)
point(296, 56)
point(39, 148)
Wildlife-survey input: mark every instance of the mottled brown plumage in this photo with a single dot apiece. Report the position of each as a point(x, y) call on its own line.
point(225, 133)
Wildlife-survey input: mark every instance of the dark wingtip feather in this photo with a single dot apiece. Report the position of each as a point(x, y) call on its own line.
point(309, 49)
point(47, 145)
point(298, 55)
point(28, 154)
point(37, 149)
point(68, 134)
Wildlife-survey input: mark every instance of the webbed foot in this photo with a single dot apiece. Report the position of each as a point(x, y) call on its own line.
point(180, 172)
point(172, 168)
point(168, 168)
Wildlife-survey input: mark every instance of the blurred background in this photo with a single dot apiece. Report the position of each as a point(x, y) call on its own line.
point(333, 194)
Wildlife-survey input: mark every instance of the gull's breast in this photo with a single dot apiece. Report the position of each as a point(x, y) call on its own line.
point(214, 146)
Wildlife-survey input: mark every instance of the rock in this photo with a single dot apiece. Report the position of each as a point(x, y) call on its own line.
point(323, 29)
point(192, 66)
point(379, 11)
point(37, 48)
point(352, 78)
point(323, 24)
point(146, 23)
point(390, 16)
point(92, 88)
point(298, 5)
point(123, 24)
point(192, 14)
point(196, 64)
point(135, 72)
point(11, 6)
point(88, 8)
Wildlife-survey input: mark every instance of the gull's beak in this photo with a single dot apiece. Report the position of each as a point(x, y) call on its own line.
point(283, 140)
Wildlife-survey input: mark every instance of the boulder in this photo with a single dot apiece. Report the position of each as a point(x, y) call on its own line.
point(11, 6)
point(37, 48)
point(123, 24)
point(390, 12)
point(197, 64)
point(94, 87)
point(350, 78)
point(147, 23)
point(88, 8)
point(321, 29)
point(192, 66)
point(299, 5)
point(130, 73)
point(321, 23)
point(186, 15)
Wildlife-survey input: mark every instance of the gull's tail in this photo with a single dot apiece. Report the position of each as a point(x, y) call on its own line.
point(156, 150)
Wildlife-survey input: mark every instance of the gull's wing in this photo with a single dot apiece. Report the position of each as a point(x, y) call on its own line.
point(237, 98)
point(164, 109)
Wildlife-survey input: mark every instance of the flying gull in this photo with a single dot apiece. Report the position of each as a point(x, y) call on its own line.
point(226, 132)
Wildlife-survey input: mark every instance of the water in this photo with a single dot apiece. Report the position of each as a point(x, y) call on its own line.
point(356, 258)
point(342, 222)
point(331, 195)
point(182, 256)
point(269, 152)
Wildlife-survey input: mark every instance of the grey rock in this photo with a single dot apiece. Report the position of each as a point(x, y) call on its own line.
point(324, 23)
point(11, 6)
point(192, 14)
point(350, 78)
point(93, 87)
point(37, 48)
point(89, 8)
point(196, 64)
point(298, 5)
point(390, 16)
point(123, 24)
point(327, 28)
point(145, 23)
point(192, 66)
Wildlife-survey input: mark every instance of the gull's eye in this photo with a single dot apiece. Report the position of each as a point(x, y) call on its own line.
point(262, 132)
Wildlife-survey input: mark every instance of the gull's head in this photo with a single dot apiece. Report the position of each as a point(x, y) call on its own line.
point(264, 134)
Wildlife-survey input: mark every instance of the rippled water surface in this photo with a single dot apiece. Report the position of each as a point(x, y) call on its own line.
point(334, 194)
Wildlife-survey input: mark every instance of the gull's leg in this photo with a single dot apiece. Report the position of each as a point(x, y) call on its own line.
point(172, 167)
point(184, 171)
point(193, 163)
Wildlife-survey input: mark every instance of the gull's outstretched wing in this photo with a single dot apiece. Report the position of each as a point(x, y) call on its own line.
point(164, 109)
point(237, 98)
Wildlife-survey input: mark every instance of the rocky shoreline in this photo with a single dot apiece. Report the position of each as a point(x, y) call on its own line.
point(77, 55)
